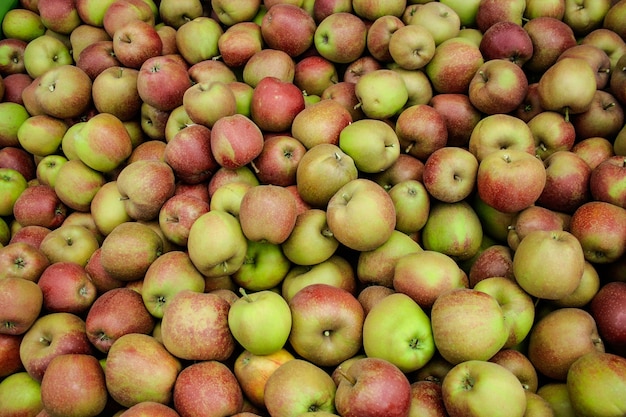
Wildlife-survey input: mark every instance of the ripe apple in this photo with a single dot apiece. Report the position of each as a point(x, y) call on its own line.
point(264, 268)
point(507, 40)
point(605, 180)
point(21, 394)
point(162, 82)
point(196, 39)
point(23, 300)
point(69, 243)
point(268, 63)
point(499, 86)
point(307, 126)
point(371, 143)
point(450, 174)
point(45, 52)
point(178, 214)
point(519, 364)
point(412, 204)
point(606, 308)
point(235, 141)
point(189, 154)
point(39, 205)
point(288, 28)
point(114, 91)
point(599, 226)
point(96, 57)
point(275, 104)
point(75, 183)
point(459, 115)
point(341, 37)
point(410, 46)
point(500, 132)
point(135, 42)
point(22, 260)
point(455, 62)
point(67, 287)
point(382, 93)
point(20, 160)
point(493, 261)
point(10, 362)
point(239, 42)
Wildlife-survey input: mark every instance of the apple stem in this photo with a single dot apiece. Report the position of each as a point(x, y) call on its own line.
point(245, 295)
point(608, 106)
point(357, 105)
point(566, 114)
point(482, 74)
point(327, 233)
point(344, 375)
point(408, 148)
point(254, 167)
point(216, 58)
point(337, 156)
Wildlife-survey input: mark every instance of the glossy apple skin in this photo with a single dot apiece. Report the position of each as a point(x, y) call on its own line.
point(608, 308)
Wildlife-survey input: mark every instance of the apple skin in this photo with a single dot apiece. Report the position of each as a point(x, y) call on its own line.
point(67, 287)
point(20, 160)
point(606, 308)
point(519, 364)
point(10, 362)
point(335, 118)
point(450, 174)
point(550, 37)
point(288, 28)
point(160, 71)
point(114, 91)
point(275, 104)
point(23, 304)
point(459, 114)
point(373, 386)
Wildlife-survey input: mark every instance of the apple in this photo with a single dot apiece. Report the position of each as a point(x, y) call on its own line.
point(75, 183)
point(441, 20)
point(21, 394)
point(490, 12)
point(45, 52)
point(550, 37)
point(96, 57)
point(239, 42)
point(209, 388)
point(196, 39)
point(149, 408)
point(107, 208)
point(178, 214)
point(382, 93)
point(603, 118)
point(162, 82)
point(538, 8)
point(459, 114)
point(404, 339)
point(371, 143)
point(464, 232)
point(288, 28)
point(507, 40)
point(10, 362)
point(426, 399)
point(373, 386)
point(455, 62)
point(13, 116)
point(299, 386)
point(341, 37)
point(599, 226)
point(88, 395)
point(24, 301)
point(519, 364)
point(14, 85)
point(552, 133)
point(606, 310)
point(235, 141)
point(467, 388)
point(596, 376)
point(135, 42)
point(411, 46)
point(489, 333)
point(268, 62)
point(265, 111)
point(278, 161)
point(22, 260)
point(139, 368)
point(52, 335)
point(125, 104)
point(499, 86)
point(379, 35)
point(370, 295)
point(69, 243)
point(371, 11)
point(189, 155)
point(605, 179)
point(205, 103)
point(595, 150)
point(493, 261)
point(20, 160)
point(12, 56)
point(31, 235)
point(121, 12)
point(450, 174)
point(264, 267)
point(327, 324)
point(412, 205)
point(39, 205)
point(67, 287)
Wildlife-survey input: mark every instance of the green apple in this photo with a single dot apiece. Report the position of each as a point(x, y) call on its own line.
point(42, 134)
point(12, 115)
point(412, 203)
point(103, 156)
point(382, 93)
point(76, 184)
point(372, 144)
point(465, 9)
point(398, 330)
point(264, 267)
point(12, 183)
point(69, 243)
point(107, 208)
point(45, 52)
point(260, 321)
point(20, 394)
point(441, 20)
point(310, 241)
point(481, 388)
point(231, 12)
point(221, 252)
point(411, 46)
point(454, 311)
point(48, 169)
point(22, 23)
point(197, 39)
point(595, 382)
point(227, 197)
point(555, 393)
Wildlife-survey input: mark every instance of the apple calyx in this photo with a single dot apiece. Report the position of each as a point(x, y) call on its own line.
point(19, 263)
point(102, 337)
point(45, 341)
point(468, 383)
point(9, 326)
point(327, 233)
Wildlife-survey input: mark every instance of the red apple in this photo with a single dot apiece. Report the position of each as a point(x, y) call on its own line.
point(67, 287)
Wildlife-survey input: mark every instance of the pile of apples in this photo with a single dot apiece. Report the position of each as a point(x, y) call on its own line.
point(307, 208)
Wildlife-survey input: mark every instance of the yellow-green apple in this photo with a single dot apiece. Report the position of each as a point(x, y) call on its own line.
point(341, 37)
point(596, 57)
point(12, 57)
point(336, 271)
point(10, 355)
point(162, 82)
point(69, 243)
point(606, 309)
point(22, 260)
point(42, 134)
point(230, 13)
point(67, 287)
point(114, 91)
point(382, 93)
point(109, 317)
point(175, 14)
point(76, 184)
point(376, 267)
point(450, 174)
point(97, 57)
point(13, 115)
point(235, 141)
point(39, 205)
point(100, 155)
point(605, 179)
point(418, 86)
point(153, 121)
point(491, 11)
point(23, 24)
point(252, 372)
point(500, 169)
point(412, 204)
point(552, 133)
point(530, 219)
point(275, 104)
point(311, 241)
point(463, 231)
point(561, 337)
point(421, 130)
point(426, 399)
point(558, 280)
point(260, 322)
point(379, 36)
point(264, 268)
point(372, 10)
point(323, 170)
point(268, 63)
point(585, 19)
point(371, 143)
point(205, 103)
point(459, 114)
point(20, 394)
point(227, 197)
point(139, 368)
point(507, 40)
point(441, 20)
point(603, 118)
point(357, 198)
point(550, 37)
point(320, 332)
point(45, 52)
point(120, 12)
point(205, 337)
point(298, 386)
point(335, 116)
point(403, 338)
point(538, 8)
point(455, 62)
point(288, 28)
point(517, 306)
point(481, 311)
point(555, 393)
point(519, 364)
point(567, 182)
point(189, 155)
point(493, 261)
point(499, 86)
point(226, 244)
point(178, 214)
point(145, 185)
point(426, 274)
point(129, 249)
point(469, 386)
point(177, 120)
point(278, 161)
point(585, 292)
point(197, 39)
point(23, 301)
point(135, 42)
point(411, 46)
point(107, 208)
point(594, 382)
point(600, 227)
point(52, 335)
point(207, 387)
point(88, 396)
